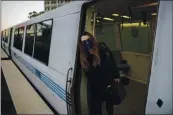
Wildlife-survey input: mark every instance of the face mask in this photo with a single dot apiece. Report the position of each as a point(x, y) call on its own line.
point(88, 44)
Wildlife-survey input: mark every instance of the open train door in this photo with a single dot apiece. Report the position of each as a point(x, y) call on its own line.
point(68, 42)
point(159, 100)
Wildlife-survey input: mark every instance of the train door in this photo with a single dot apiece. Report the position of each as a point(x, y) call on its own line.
point(10, 38)
point(159, 99)
point(63, 54)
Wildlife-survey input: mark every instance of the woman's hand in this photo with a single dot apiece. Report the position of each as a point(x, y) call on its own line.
point(117, 80)
point(83, 38)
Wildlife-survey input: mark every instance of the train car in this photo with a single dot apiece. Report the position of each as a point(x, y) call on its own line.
point(46, 50)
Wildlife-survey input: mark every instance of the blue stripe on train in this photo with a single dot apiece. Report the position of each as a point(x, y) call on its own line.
point(52, 85)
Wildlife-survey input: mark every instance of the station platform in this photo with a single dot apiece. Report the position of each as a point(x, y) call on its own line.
point(18, 95)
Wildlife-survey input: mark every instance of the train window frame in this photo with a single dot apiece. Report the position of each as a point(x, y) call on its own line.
point(33, 41)
point(21, 47)
point(50, 41)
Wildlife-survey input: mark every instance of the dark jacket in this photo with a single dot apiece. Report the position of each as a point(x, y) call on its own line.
point(101, 76)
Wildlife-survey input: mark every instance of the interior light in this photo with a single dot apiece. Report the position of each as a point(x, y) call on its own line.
point(121, 16)
point(115, 14)
point(133, 25)
point(110, 19)
point(125, 16)
point(98, 21)
point(153, 14)
point(31, 34)
point(98, 17)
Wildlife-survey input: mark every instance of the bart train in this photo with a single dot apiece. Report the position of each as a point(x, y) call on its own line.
point(45, 48)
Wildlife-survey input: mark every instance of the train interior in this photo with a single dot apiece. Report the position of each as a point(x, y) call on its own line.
point(128, 28)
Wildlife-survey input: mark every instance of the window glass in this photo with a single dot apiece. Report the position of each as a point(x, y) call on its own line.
point(29, 39)
point(18, 38)
point(2, 35)
point(6, 36)
point(42, 41)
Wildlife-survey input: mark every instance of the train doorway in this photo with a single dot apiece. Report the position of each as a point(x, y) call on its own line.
point(128, 29)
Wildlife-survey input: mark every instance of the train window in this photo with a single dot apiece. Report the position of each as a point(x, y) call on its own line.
point(29, 39)
point(15, 37)
point(18, 38)
point(2, 36)
point(6, 36)
point(42, 41)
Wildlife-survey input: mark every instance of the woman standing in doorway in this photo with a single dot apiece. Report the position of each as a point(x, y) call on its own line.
point(100, 70)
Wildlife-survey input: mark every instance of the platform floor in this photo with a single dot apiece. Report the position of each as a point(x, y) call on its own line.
point(6, 100)
point(3, 54)
point(18, 96)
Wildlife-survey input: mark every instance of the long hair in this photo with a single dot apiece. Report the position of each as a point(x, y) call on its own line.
point(83, 57)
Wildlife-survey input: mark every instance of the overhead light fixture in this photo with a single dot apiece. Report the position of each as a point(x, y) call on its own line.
point(93, 20)
point(126, 17)
point(121, 16)
point(98, 17)
point(110, 19)
point(153, 14)
point(115, 14)
point(134, 25)
point(31, 34)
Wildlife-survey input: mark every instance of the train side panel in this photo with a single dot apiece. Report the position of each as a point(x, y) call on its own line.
point(51, 79)
point(41, 77)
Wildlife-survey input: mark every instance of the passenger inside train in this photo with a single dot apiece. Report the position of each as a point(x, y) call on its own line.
point(100, 70)
point(128, 30)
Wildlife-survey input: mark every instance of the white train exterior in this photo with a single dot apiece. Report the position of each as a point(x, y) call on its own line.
point(53, 74)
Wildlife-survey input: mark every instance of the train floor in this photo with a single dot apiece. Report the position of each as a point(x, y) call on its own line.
point(17, 94)
point(135, 101)
point(133, 104)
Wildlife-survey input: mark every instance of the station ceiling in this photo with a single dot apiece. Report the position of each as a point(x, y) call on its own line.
point(107, 8)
